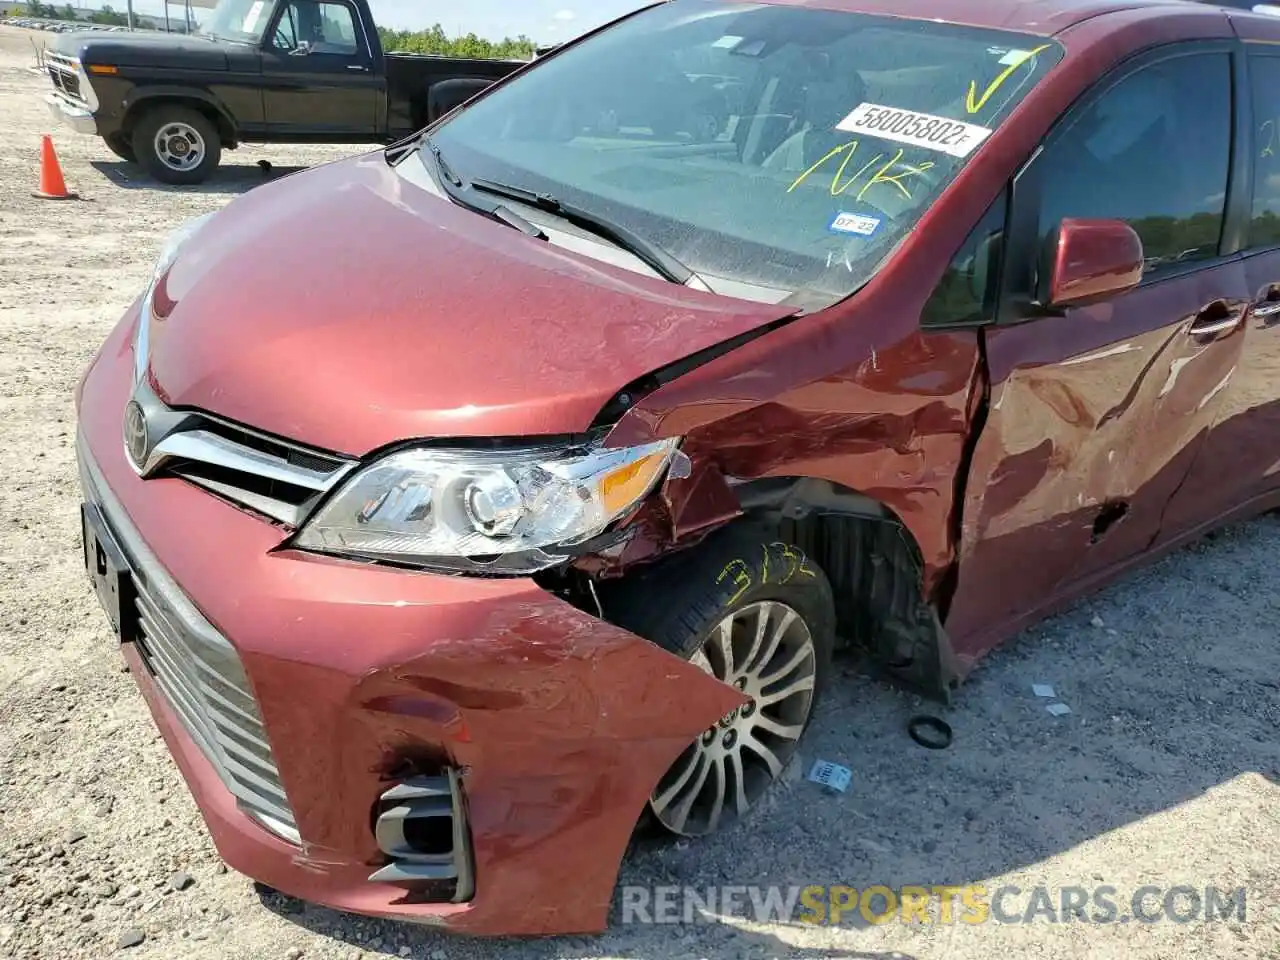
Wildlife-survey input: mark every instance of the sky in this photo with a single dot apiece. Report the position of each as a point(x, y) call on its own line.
point(546, 21)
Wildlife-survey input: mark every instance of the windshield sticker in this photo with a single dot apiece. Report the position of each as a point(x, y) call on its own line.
point(251, 18)
point(884, 174)
point(855, 223)
point(727, 43)
point(1012, 61)
point(954, 137)
point(1015, 58)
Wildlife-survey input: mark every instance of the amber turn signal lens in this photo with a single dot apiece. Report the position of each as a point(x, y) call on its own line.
point(624, 486)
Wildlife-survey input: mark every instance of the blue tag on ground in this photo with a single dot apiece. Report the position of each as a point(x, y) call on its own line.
point(831, 775)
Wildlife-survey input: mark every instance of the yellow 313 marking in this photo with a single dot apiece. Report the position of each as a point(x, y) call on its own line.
point(974, 105)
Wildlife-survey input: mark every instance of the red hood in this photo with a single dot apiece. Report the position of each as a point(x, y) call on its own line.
point(347, 308)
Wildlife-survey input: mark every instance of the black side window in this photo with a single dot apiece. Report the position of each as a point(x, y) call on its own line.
point(967, 292)
point(1154, 151)
point(1265, 228)
point(325, 27)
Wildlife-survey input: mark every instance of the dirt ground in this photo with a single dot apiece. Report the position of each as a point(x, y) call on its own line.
point(1164, 773)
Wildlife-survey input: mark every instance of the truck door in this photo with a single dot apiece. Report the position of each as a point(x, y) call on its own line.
point(321, 81)
point(1095, 416)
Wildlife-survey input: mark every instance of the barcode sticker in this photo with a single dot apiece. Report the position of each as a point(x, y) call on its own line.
point(954, 137)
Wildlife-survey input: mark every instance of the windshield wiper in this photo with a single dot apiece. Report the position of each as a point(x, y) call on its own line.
point(662, 262)
point(452, 185)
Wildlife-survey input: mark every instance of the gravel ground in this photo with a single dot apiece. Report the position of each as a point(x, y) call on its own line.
point(1165, 772)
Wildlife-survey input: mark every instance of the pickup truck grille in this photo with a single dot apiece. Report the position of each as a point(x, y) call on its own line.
point(62, 72)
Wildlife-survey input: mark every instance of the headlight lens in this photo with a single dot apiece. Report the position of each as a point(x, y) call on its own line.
point(509, 510)
point(168, 254)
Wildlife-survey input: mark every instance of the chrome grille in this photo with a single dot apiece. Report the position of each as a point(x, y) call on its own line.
point(62, 72)
point(274, 477)
point(198, 671)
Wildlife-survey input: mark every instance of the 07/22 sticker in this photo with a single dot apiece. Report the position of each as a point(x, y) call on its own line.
point(954, 137)
point(856, 223)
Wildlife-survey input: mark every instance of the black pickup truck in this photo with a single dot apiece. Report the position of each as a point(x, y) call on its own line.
point(258, 71)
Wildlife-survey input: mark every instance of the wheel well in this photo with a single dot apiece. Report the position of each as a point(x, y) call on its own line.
point(876, 571)
point(226, 132)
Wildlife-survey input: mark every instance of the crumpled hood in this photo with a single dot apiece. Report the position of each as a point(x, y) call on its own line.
point(346, 308)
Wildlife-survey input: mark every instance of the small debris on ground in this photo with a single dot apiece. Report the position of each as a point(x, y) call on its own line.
point(180, 880)
point(831, 775)
point(130, 937)
point(1043, 690)
point(1058, 709)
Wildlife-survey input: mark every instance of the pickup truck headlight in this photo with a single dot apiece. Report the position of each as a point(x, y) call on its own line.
point(513, 511)
point(168, 254)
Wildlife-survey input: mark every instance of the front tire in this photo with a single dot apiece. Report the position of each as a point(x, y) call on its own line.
point(177, 145)
point(752, 612)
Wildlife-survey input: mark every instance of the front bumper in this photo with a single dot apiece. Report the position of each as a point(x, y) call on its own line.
point(555, 725)
point(76, 116)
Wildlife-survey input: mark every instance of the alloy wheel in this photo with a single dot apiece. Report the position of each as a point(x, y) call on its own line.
point(766, 651)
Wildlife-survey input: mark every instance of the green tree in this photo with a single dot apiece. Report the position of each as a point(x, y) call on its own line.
point(435, 41)
point(69, 13)
point(107, 15)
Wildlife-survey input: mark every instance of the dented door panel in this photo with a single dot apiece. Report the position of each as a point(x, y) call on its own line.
point(1094, 419)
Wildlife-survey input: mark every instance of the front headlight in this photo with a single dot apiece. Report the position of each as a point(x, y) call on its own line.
point(508, 511)
point(168, 254)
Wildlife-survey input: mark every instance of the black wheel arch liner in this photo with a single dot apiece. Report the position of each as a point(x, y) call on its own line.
point(142, 98)
point(871, 556)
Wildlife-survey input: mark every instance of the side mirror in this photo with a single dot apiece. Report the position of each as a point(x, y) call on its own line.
point(302, 49)
point(1088, 261)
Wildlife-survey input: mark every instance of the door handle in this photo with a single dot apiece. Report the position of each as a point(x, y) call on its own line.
point(355, 66)
point(1217, 317)
point(1268, 302)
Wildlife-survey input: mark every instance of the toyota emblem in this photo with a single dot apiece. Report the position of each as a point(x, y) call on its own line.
point(135, 434)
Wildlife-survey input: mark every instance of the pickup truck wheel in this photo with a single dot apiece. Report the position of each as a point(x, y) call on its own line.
point(757, 614)
point(177, 145)
point(119, 144)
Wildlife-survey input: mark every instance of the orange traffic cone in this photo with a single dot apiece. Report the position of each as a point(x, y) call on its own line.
point(52, 186)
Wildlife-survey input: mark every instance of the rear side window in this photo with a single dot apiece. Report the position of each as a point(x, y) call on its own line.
point(1153, 150)
point(1265, 229)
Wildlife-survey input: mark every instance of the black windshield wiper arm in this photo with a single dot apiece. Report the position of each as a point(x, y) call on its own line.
point(663, 263)
point(452, 185)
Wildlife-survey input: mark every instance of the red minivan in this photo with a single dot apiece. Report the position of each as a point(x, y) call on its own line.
point(461, 505)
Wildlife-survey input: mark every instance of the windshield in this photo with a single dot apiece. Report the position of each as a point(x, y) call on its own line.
point(783, 148)
point(244, 21)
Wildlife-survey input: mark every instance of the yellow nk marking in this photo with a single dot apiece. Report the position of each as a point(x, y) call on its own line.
point(974, 106)
point(851, 146)
point(907, 171)
point(880, 176)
